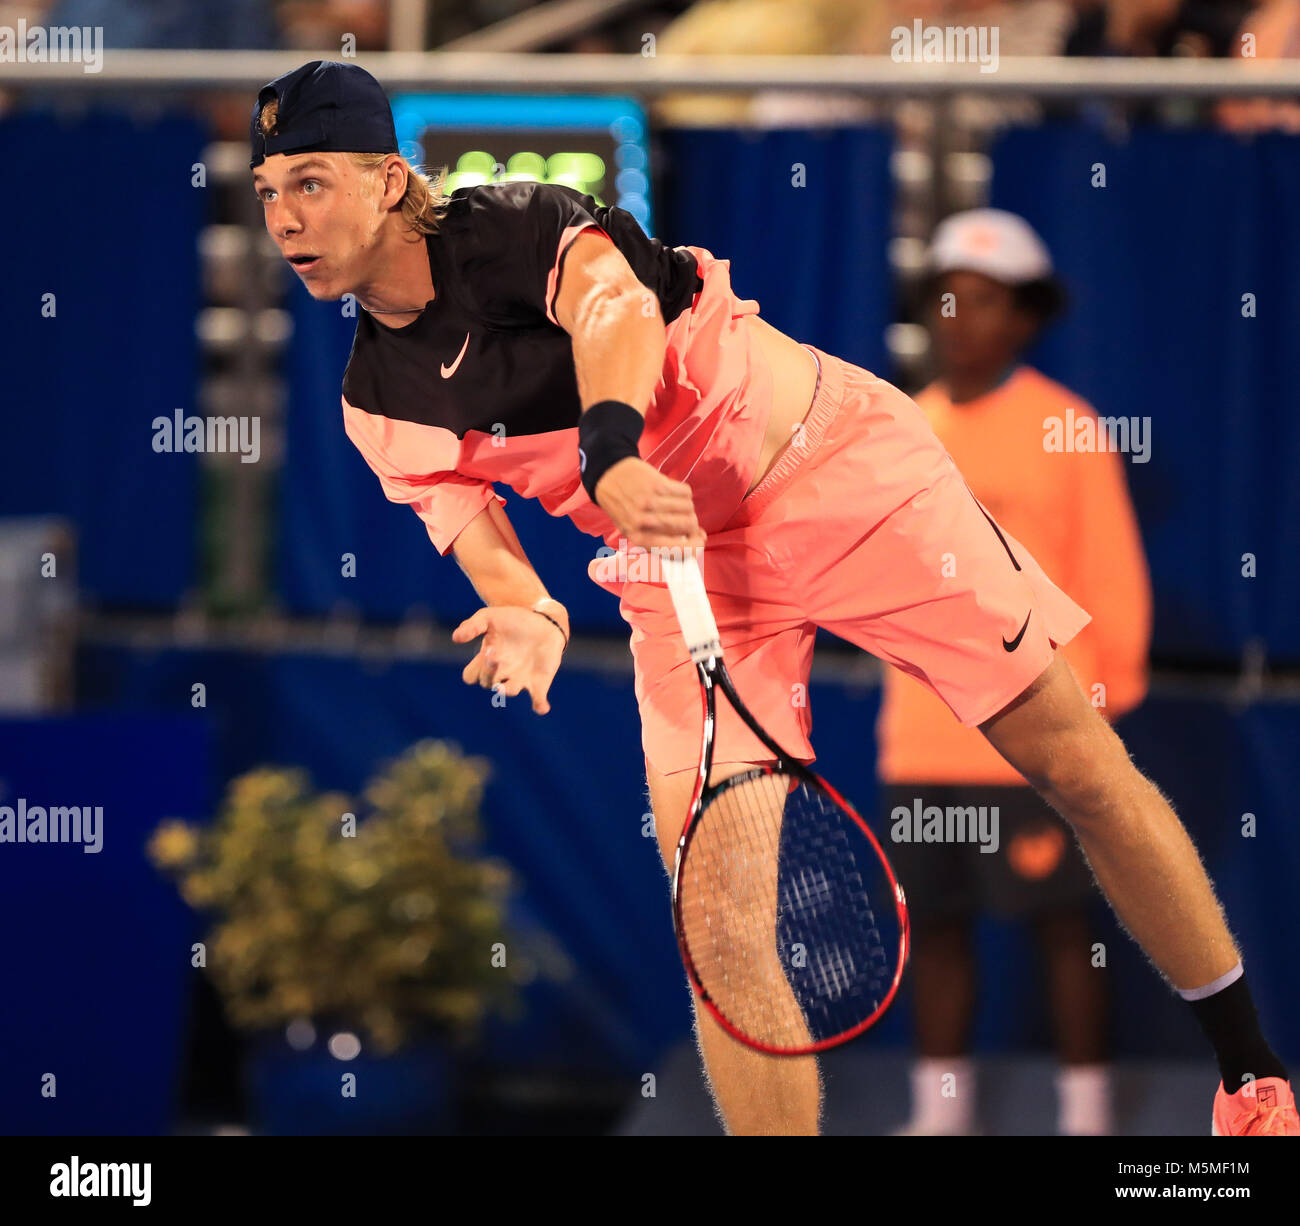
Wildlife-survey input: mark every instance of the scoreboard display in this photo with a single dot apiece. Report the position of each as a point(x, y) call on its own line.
point(597, 145)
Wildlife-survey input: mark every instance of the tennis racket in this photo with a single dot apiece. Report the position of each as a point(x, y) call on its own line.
point(792, 925)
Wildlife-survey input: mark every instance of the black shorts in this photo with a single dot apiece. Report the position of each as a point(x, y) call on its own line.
point(937, 848)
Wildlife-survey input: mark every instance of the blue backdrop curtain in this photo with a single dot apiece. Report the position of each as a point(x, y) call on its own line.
point(804, 216)
point(1158, 261)
point(114, 238)
point(96, 969)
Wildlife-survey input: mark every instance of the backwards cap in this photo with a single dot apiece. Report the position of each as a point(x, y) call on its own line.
point(325, 107)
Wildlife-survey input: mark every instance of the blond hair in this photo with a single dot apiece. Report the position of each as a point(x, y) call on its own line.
point(423, 202)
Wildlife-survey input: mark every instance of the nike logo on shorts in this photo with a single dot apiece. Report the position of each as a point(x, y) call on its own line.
point(1015, 642)
point(448, 371)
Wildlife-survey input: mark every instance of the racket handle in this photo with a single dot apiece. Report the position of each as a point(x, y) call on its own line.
point(691, 601)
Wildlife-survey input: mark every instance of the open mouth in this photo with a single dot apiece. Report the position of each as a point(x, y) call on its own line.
point(304, 262)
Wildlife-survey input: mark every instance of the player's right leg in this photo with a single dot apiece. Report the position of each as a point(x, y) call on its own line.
point(755, 1094)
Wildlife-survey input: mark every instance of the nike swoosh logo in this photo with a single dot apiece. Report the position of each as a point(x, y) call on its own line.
point(448, 371)
point(1015, 642)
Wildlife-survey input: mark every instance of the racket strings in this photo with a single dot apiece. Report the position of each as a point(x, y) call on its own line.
point(777, 913)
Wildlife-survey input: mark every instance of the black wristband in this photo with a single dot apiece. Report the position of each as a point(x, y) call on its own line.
point(607, 432)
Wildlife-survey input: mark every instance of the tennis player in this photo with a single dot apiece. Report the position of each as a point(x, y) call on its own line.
point(522, 334)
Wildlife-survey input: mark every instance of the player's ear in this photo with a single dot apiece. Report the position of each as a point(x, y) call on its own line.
point(390, 181)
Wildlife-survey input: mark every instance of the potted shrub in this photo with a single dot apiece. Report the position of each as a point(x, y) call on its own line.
point(349, 941)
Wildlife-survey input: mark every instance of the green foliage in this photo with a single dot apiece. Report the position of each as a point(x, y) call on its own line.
point(391, 928)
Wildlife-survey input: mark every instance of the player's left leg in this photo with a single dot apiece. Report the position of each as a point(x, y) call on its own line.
point(1147, 867)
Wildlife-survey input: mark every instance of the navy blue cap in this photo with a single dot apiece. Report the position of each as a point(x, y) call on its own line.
point(325, 107)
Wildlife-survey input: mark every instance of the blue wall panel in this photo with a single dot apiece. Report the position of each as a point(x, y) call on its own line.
point(1158, 261)
point(115, 240)
point(95, 964)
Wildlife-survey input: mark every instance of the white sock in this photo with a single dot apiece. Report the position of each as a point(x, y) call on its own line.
point(943, 1093)
point(1083, 1100)
point(1225, 980)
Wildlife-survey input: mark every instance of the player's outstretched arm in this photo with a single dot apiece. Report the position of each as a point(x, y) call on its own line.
point(524, 631)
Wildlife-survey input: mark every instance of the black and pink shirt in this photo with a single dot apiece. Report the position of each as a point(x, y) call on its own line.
point(481, 390)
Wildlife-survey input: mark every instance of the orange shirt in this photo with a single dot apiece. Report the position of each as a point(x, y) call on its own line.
point(1072, 511)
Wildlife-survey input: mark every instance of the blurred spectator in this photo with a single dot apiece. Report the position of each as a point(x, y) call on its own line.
point(1155, 28)
point(1025, 27)
point(1270, 32)
point(843, 27)
point(993, 290)
point(177, 25)
point(320, 25)
point(232, 25)
point(630, 34)
point(1151, 28)
point(168, 25)
point(772, 27)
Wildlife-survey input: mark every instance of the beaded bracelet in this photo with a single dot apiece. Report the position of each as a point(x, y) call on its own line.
point(554, 623)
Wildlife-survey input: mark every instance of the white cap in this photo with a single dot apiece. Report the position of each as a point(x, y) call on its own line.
point(993, 242)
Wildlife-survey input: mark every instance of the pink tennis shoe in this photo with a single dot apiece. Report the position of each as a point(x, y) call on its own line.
point(1263, 1108)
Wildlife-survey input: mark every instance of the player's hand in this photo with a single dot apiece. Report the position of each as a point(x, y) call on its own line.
point(647, 507)
point(520, 651)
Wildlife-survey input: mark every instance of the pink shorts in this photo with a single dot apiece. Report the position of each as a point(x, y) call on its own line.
point(865, 528)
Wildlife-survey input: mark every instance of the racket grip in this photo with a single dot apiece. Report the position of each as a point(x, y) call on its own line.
point(691, 602)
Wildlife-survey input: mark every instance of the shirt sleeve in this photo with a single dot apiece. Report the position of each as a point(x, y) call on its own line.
point(523, 232)
point(413, 465)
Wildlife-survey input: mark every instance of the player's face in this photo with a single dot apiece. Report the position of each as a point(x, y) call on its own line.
point(322, 211)
point(977, 325)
